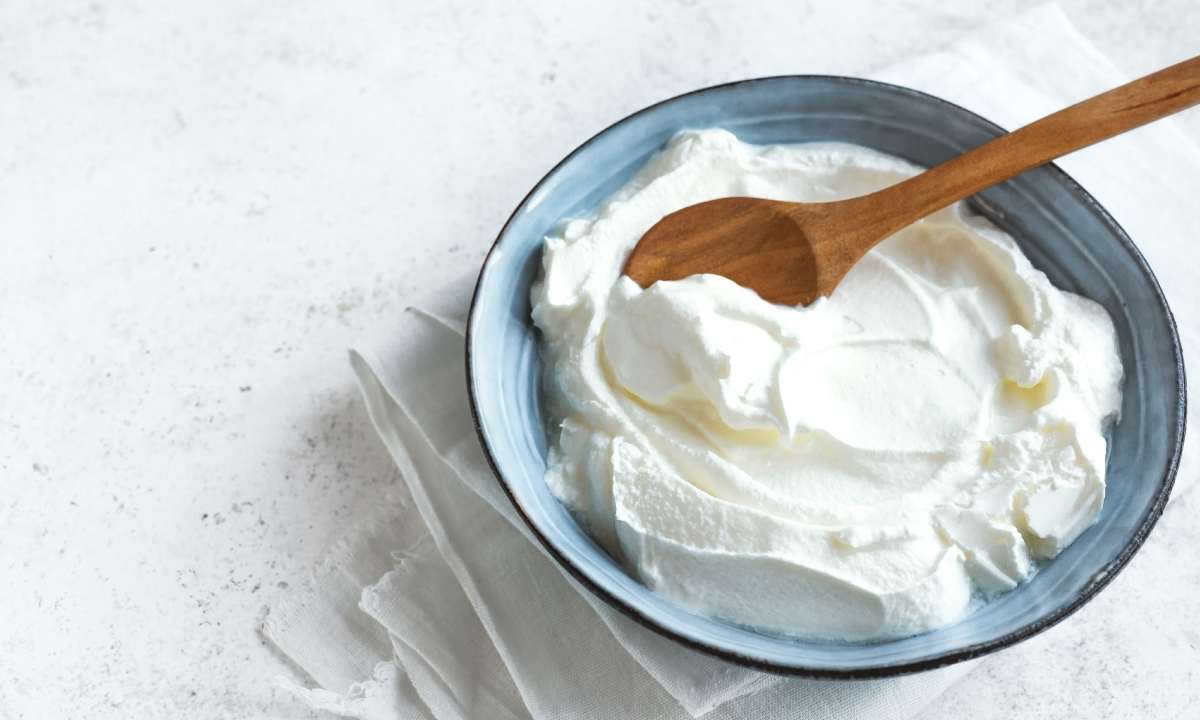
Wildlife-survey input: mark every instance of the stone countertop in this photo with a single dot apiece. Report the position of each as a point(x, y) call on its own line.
point(203, 204)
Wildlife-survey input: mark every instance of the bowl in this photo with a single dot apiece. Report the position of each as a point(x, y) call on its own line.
point(1058, 225)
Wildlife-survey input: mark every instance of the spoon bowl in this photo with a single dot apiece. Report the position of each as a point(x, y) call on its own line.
point(785, 251)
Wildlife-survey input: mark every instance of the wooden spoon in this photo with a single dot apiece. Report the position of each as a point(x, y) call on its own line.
point(793, 253)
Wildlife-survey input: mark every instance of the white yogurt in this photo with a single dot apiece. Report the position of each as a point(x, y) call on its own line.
point(856, 469)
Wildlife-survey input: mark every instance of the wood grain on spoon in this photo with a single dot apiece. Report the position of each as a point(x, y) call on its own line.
point(793, 253)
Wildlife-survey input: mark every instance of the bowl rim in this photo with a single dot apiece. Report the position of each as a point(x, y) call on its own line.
point(948, 657)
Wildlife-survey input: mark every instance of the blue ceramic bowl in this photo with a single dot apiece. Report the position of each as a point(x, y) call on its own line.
point(1058, 225)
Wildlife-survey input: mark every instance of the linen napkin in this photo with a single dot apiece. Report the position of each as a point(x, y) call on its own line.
point(441, 606)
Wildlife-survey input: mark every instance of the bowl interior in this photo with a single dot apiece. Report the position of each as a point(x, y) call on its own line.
point(1058, 225)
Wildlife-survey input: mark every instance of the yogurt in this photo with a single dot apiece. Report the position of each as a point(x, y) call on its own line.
point(857, 469)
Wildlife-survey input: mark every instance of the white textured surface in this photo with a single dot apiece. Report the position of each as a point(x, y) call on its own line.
point(202, 203)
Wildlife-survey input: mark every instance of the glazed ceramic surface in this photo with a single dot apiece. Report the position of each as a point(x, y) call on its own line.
point(1062, 230)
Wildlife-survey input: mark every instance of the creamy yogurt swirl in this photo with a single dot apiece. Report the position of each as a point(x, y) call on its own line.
point(857, 469)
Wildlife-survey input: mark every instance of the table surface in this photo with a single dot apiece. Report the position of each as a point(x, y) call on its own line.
point(203, 204)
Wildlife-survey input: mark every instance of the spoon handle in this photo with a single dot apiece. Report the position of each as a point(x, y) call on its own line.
point(1103, 116)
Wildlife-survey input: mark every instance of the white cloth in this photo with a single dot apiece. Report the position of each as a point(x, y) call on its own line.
point(441, 606)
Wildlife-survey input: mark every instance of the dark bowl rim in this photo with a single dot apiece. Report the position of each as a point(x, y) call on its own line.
point(950, 657)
